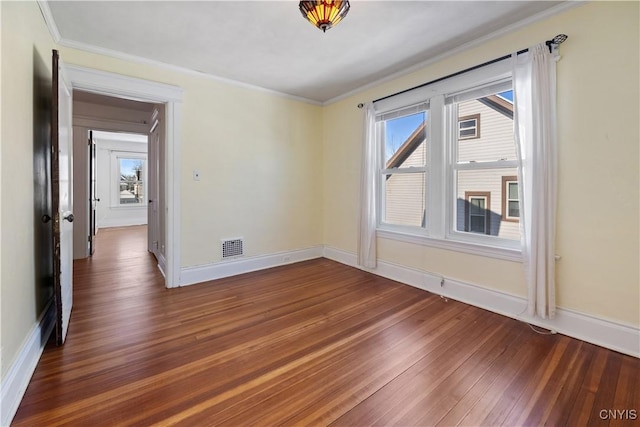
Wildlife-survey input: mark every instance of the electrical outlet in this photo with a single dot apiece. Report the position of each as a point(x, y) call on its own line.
point(196, 175)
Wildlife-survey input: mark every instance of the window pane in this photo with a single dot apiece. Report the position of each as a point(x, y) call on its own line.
point(477, 224)
point(467, 132)
point(513, 190)
point(467, 124)
point(404, 143)
point(131, 181)
point(479, 192)
point(477, 206)
point(494, 129)
point(514, 209)
point(405, 199)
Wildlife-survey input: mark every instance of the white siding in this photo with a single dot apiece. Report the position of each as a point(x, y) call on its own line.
point(496, 135)
point(404, 193)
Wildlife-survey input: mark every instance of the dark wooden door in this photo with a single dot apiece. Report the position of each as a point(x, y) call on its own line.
point(93, 199)
point(42, 209)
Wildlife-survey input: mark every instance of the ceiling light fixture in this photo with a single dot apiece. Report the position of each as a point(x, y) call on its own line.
point(324, 14)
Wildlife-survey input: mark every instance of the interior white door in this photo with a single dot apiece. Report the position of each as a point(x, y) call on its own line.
point(153, 216)
point(62, 202)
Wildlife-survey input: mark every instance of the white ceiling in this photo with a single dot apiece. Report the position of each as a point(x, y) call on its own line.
point(268, 43)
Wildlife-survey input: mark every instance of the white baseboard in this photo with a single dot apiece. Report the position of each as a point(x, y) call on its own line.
point(605, 333)
point(162, 265)
point(122, 222)
point(203, 273)
point(15, 382)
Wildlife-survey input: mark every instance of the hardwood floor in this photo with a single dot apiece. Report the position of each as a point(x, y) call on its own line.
point(313, 343)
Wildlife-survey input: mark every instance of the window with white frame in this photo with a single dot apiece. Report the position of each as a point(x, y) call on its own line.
point(469, 127)
point(477, 208)
point(129, 179)
point(510, 199)
point(479, 165)
point(439, 177)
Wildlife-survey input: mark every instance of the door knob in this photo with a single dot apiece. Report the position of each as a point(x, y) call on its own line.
point(68, 217)
point(46, 218)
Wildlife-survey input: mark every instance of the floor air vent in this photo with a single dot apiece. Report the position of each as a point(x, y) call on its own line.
point(232, 248)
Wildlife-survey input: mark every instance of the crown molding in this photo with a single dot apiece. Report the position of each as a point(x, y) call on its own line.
point(49, 21)
point(175, 68)
point(566, 5)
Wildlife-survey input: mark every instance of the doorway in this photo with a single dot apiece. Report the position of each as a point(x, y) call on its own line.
point(170, 99)
point(118, 181)
point(118, 173)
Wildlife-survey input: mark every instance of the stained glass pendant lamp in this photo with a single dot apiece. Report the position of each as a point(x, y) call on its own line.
point(324, 14)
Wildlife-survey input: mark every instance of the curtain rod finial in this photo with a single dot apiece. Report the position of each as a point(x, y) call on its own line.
point(556, 41)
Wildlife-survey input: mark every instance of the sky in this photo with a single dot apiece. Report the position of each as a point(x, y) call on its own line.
point(127, 166)
point(508, 95)
point(398, 130)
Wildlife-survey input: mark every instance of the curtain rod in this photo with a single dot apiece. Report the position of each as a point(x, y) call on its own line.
point(557, 40)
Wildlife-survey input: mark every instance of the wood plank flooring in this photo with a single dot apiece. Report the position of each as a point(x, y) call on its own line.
point(313, 343)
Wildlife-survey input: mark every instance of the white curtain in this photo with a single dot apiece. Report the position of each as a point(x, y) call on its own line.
point(368, 188)
point(534, 76)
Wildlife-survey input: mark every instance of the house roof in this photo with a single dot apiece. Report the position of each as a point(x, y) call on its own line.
point(499, 104)
point(408, 147)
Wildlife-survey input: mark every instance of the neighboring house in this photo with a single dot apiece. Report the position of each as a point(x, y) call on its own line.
point(404, 192)
point(131, 189)
point(487, 199)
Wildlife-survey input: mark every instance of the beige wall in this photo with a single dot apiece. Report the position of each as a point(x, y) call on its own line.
point(26, 44)
point(598, 212)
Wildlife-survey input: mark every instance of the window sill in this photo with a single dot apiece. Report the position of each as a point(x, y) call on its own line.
point(129, 206)
point(452, 245)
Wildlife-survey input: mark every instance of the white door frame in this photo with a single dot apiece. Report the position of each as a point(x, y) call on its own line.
point(120, 86)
